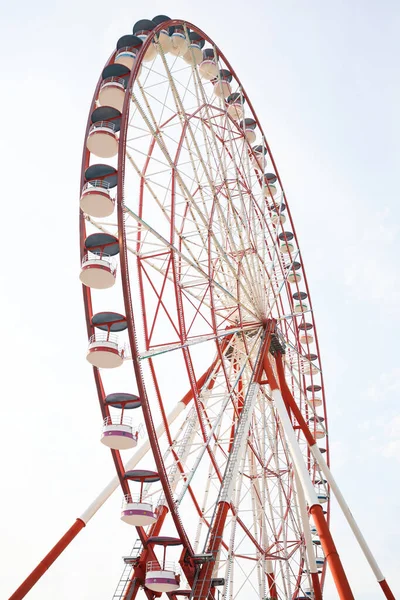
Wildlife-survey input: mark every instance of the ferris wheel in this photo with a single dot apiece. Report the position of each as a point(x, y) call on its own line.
point(201, 335)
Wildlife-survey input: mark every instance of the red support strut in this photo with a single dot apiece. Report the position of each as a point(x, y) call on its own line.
point(272, 587)
point(386, 589)
point(48, 560)
point(316, 586)
point(203, 584)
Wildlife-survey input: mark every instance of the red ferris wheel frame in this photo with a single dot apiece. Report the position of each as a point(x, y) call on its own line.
point(200, 591)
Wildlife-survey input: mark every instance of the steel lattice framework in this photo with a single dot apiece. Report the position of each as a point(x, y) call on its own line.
point(219, 331)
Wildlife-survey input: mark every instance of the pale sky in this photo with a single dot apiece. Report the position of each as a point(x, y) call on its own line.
point(324, 81)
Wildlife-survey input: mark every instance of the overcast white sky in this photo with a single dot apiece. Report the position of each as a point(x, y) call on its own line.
point(324, 80)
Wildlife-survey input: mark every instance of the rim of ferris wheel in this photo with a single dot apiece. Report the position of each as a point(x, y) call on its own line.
point(142, 476)
point(241, 293)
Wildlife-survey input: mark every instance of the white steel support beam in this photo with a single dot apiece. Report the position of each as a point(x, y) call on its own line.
point(347, 513)
point(131, 464)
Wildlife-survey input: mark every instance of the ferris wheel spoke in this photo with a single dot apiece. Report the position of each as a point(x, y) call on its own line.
point(161, 241)
point(179, 106)
point(213, 426)
point(161, 349)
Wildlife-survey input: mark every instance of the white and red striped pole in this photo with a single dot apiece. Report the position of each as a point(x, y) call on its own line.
point(331, 481)
point(315, 508)
point(92, 509)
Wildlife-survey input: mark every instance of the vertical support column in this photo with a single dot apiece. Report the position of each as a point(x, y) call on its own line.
point(203, 581)
point(331, 554)
point(271, 586)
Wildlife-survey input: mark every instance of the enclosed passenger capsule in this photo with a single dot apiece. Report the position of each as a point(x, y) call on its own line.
point(234, 106)
point(105, 351)
point(102, 138)
point(142, 29)
point(112, 89)
point(222, 84)
point(162, 576)
point(135, 509)
point(128, 47)
point(96, 199)
point(118, 432)
point(179, 41)
point(163, 39)
point(249, 126)
point(194, 54)
point(208, 67)
point(98, 269)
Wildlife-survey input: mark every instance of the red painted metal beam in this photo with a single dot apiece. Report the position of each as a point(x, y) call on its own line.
point(272, 587)
point(203, 583)
point(316, 586)
point(48, 560)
